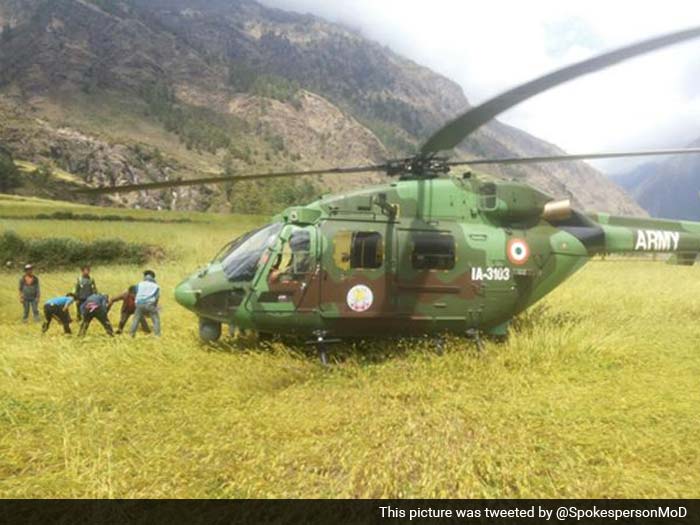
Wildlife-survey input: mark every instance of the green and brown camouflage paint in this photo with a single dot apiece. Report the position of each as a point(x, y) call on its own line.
point(506, 258)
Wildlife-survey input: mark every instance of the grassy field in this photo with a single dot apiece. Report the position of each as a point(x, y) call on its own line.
point(595, 395)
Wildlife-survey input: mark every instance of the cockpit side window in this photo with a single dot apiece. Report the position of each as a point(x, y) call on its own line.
point(296, 259)
point(241, 262)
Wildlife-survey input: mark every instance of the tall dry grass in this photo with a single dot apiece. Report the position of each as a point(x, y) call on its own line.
point(595, 395)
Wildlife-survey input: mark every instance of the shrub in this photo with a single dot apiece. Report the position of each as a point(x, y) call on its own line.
point(241, 77)
point(61, 252)
point(43, 172)
point(92, 217)
point(276, 87)
point(10, 243)
point(9, 175)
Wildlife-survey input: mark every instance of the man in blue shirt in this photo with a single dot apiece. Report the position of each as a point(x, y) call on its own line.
point(95, 307)
point(147, 297)
point(58, 308)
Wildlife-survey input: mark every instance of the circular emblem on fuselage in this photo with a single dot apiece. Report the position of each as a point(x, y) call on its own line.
point(360, 298)
point(518, 251)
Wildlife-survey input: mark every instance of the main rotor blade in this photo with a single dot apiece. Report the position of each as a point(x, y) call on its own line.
point(127, 188)
point(457, 130)
point(581, 156)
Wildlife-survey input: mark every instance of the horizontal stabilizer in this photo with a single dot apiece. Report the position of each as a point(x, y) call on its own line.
point(683, 259)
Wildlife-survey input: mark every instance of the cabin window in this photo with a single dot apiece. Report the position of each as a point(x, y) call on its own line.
point(433, 251)
point(358, 250)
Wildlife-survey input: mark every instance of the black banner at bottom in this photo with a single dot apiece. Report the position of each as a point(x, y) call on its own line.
point(340, 512)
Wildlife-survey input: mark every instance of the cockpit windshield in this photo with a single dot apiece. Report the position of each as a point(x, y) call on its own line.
point(240, 258)
point(229, 247)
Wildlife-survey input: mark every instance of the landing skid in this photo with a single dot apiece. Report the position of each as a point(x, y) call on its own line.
point(211, 331)
point(475, 335)
point(321, 344)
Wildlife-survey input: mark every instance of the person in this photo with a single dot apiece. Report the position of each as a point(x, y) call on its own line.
point(29, 293)
point(84, 288)
point(275, 271)
point(95, 307)
point(128, 300)
point(58, 308)
point(294, 263)
point(147, 297)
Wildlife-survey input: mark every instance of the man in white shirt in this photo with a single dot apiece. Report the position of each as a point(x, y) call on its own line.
point(147, 296)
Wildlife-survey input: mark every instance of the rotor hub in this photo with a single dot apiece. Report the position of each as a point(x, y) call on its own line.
point(418, 167)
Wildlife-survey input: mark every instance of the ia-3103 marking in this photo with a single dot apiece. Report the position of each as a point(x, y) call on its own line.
point(492, 273)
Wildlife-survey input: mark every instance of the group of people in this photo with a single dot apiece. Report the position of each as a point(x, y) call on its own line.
point(140, 300)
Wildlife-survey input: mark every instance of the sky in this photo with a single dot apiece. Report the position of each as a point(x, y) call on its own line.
point(489, 46)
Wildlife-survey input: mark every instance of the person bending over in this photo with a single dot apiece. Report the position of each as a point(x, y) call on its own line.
point(95, 307)
point(57, 308)
point(128, 300)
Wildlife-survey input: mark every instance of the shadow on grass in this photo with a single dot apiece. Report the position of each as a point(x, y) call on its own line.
point(363, 352)
point(542, 316)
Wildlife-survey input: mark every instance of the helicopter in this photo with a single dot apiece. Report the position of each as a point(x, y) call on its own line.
point(427, 253)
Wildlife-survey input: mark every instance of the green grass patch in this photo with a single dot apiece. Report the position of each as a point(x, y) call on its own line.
point(27, 168)
point(20, 206)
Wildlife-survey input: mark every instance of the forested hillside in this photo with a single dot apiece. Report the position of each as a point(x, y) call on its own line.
point(117, 91)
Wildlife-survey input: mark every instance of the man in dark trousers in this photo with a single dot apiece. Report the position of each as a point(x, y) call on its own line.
point(84, 288)
point(57, 308)
point(29, 293)
point(147, 297)
point(128, 300)
point(95, 307)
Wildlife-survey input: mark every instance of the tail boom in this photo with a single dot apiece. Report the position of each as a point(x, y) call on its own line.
point(644, 235)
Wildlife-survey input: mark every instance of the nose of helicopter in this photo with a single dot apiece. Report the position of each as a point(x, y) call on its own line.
point(185, 295)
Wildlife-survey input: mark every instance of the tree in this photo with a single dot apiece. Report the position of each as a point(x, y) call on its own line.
point(241, 77)
point(43, 172)
point(9, 175)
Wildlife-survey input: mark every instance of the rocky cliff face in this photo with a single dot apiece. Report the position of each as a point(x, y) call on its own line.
point(201, 86)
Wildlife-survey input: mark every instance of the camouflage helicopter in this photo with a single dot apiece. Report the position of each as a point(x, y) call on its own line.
point(426, 253)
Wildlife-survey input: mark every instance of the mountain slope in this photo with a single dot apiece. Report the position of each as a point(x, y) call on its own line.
point(152, 89)
point(669, 188)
